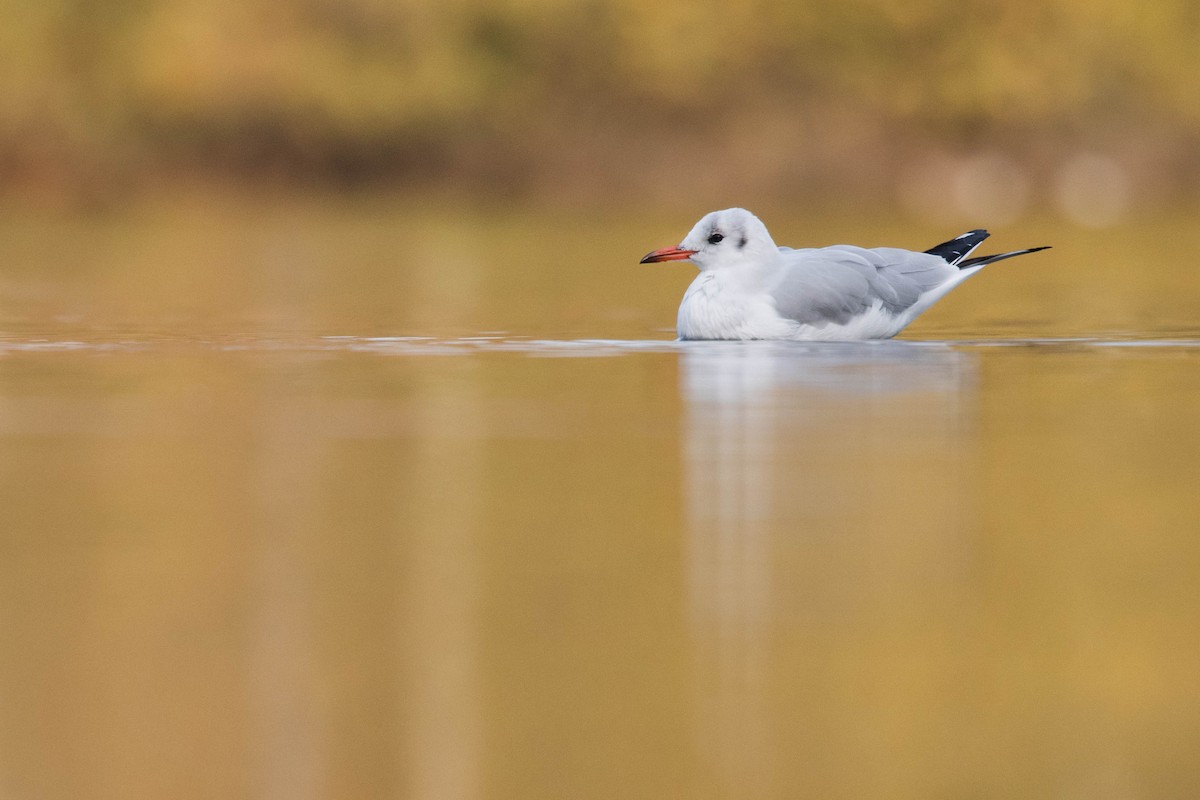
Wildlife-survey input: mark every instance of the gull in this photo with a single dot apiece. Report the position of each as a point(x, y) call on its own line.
point(749, 288)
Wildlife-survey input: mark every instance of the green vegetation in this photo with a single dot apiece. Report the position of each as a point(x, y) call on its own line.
point(522, 96)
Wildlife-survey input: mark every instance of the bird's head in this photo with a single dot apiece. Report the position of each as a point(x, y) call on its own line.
point(720, 240)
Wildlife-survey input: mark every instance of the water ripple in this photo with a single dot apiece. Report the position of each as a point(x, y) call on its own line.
point(405, 346)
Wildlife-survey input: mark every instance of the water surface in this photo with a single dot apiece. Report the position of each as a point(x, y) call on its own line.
point(279, 523)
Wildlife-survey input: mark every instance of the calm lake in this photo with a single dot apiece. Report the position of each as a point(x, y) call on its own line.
point(355, 502)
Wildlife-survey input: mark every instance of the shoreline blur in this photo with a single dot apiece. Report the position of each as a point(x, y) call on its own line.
point(942, 109)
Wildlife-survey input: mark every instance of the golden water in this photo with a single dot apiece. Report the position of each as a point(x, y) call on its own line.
point(310, 503)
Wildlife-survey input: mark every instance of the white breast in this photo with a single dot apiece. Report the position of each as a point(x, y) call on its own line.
point(715, 306)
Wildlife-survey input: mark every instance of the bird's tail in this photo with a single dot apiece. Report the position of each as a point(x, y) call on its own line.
point(981, 260)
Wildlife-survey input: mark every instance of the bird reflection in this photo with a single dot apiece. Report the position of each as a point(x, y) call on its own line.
point(785, 441)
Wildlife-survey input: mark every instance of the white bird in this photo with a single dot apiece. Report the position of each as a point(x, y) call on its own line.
point(748, 288)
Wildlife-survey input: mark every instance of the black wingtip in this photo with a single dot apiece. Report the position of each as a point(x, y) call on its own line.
point(981, 260)
point(959, 247)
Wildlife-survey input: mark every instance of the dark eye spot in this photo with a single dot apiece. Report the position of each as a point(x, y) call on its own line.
point(741, 242)
point(715, 238)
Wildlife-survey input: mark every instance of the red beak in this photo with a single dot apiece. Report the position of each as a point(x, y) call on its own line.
point(668, 254)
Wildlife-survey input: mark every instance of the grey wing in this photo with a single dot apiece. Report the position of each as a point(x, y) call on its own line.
point(923, 271)
point(835, 284)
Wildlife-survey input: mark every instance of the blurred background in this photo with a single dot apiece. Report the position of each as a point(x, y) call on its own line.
point(944, 109)
point(346, 452)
